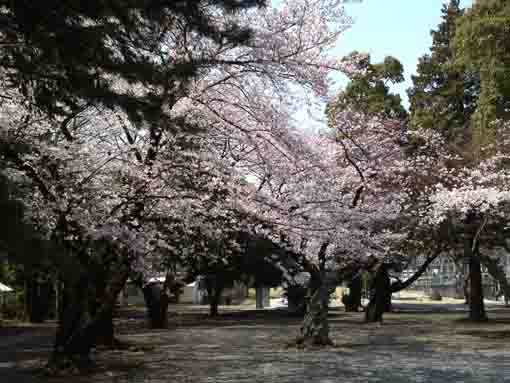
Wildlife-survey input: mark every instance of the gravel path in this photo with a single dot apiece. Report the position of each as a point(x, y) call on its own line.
point(233, 354)
point(21, 352)
point(411, 346)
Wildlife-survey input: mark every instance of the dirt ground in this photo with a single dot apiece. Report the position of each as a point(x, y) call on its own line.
point(417, 343)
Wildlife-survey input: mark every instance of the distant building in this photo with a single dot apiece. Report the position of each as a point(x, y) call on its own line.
point(191, 293)
point(447, 276)
point(5, 293)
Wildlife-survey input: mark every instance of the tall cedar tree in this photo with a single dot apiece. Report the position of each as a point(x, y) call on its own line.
point(26, 259)
point(443, 96)
point(482, 45)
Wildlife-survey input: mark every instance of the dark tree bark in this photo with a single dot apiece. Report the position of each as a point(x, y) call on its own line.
point(476, 306)
point(380, 295)
point(156, 303)
point(315, 327)
point(387, 302)
point(466, 288)
point(74, 314)
point(78, 330)
point(471, 252)
point(213, 304)
point(382, 288)
point(157, 299)
point(498, 273)
point(296, 299)
point(401, 285)
point(105, 334)
point(105, 329)
point(214, 292)
point(352, 302)
point(461, 280)
point(38, 298)
point(214, 284)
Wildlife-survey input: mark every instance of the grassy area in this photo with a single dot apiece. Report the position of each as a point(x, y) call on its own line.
point(276, 292)
point(273, 293)
point(412, 296)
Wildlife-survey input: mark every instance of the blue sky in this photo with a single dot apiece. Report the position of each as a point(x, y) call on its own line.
point(400, 28)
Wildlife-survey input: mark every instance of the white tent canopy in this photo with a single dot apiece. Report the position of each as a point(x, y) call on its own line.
point(4, 288)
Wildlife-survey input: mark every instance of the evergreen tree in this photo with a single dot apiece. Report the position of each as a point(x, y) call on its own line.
point(460, 89)
point(27, 259)
point(482, 45)
point(443, 96)
point(65, 55)
point(369, 92)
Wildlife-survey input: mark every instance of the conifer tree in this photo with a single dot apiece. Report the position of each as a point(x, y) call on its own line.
point(65, 55)
point(443, 96)
point(482, 46)
point(368, 91)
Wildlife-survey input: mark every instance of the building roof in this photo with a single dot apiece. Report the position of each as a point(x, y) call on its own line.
point(157, 279)
point(4, 288)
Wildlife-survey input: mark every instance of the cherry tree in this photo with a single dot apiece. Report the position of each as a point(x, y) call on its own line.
point(465, 193)
point(325, 199)
point(102, 181)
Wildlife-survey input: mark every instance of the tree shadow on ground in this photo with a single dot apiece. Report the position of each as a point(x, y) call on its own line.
point(488, 334)
point(492, 321)
point(248, 345)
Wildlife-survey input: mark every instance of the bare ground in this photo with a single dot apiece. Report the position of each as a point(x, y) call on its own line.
point(420, 343)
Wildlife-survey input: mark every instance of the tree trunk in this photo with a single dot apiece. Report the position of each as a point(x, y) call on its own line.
point(78, 330)
point(105, 334)
point(466, 288)
point(213, 306)
point(498, 273)
point(460, 280)
point(105, 330)
point(296, 299)
point(75, 314)
point(380, 300)
point(315, 327)
point(401, 285)
point(352, 302)
point(156, 302)
point(33, 304)
point(214, 286)
point(387, 302)
point(37, 296)
point(214, 299)
point(476, 305)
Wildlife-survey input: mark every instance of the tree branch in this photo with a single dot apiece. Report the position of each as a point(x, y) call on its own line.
point(395, 287)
